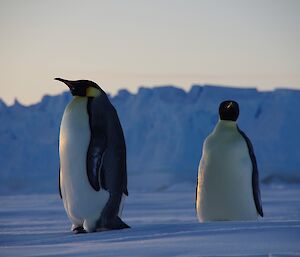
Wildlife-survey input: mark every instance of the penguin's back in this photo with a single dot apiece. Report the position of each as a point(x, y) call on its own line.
point(224, 189)
point(80, 199)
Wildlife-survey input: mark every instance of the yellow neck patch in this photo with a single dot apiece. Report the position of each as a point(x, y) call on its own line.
point(92, 92)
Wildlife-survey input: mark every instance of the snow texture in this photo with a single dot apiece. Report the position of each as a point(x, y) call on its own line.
point(163, 224)
point(164, 130)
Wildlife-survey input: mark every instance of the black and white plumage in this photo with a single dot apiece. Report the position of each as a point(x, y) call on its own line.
point(228, 184)
point(93, 175)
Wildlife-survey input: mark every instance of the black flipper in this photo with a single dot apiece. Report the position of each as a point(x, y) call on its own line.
point(108, 140)
point(79, 230)
point(94, 160)
point(255, 177)
point(196, 198)
point(59, 188)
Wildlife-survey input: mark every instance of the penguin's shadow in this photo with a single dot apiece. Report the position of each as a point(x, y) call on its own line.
point(139, 233)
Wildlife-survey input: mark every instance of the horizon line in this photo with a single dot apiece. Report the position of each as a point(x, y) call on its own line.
point(16, 101)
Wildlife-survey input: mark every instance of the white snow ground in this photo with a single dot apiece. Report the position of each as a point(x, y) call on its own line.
point(163, 224)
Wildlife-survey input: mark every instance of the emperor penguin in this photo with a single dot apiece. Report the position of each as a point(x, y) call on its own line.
point(92, 151)
point(228, 183)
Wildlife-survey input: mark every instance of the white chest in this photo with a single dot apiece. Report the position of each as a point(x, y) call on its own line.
point(80, 199)
point(74, 138)
point(225, 179)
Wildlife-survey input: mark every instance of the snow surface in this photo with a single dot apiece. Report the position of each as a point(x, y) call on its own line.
point(164, 130)
point(163, 224)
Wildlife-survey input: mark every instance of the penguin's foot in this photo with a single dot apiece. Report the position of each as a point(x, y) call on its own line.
point(117, 223)
point(78, 230)
point(111, 224)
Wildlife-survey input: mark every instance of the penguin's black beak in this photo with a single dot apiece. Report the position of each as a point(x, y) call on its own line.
point(75, 87)
point(230, 105)
point(67, 82)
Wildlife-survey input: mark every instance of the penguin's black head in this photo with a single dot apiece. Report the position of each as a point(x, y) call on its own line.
point(229, 110)
point(79, 87)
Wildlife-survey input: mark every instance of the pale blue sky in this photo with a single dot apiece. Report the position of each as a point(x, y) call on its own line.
point(126, 44)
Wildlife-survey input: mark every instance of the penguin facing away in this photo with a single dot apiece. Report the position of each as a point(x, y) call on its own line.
point(228, 183)
point(93, 175)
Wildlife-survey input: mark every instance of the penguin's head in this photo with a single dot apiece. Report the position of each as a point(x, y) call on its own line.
point(82, 87)
point(229, 110)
